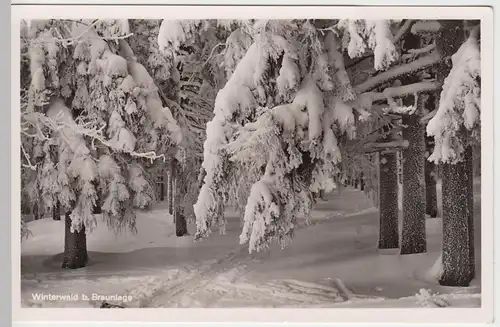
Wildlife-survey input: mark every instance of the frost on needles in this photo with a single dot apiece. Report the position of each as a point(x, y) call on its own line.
point(92, 120)
point(277, 122)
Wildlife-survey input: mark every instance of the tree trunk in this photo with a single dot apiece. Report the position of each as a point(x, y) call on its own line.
point(361, 182)
point(457, 184)
point(75, 246)
point(430, 182)
point(36, 212)
point(180, 220)
point(162, 190)
point(388, 201)
point(180, 224)
point(170, 202)
point(56, 211)
point(98, 207)
point(413, 238)
point(458, 229)
point(413, 232)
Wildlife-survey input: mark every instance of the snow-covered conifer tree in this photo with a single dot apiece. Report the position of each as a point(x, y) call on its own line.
point(278, 121)
point(93, 116)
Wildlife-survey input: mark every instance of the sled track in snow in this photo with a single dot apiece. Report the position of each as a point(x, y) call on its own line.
point(172, 296)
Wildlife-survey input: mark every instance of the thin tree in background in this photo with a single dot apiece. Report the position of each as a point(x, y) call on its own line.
point(431, 207)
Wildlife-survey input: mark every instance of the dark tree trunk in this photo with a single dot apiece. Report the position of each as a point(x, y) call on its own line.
point(430, 182)
point(361, 182)
point(458, 228)
point(36, 211)
point(75, 246)
point(56, 211)
point(388, 202)
point(180, 220)
point(413, 238)
point(98, 206)
point(162, 191)
point(170, 201)
point(413, 229)
point(457, 184)
point(180, 224)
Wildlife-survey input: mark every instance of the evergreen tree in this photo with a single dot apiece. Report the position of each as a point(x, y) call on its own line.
point(93, 118)
point(279, 119)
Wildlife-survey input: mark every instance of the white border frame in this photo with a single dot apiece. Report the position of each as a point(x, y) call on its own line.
point(337, 315)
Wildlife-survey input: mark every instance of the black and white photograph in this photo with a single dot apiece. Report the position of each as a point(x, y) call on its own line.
point(251, 163)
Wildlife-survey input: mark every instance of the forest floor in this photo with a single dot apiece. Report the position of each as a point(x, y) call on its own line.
point(333, 262)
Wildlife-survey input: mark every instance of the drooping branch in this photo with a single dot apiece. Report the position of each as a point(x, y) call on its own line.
point(398, 71)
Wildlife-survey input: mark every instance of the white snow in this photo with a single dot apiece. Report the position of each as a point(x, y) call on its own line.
point(413, 66)
point(459, 104)
point(380, 41)
point(429, 26)
point(332, 262)
point(311, 97)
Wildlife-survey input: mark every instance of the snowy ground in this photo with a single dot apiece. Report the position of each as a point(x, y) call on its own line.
point(334, 262)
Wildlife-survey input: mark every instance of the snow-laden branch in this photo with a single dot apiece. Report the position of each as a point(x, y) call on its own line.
point(403, 90)
point(397, 71)
point(68, 129)
point(459, 105)
point(70, 41)
point(365, 100)
point(421, 27)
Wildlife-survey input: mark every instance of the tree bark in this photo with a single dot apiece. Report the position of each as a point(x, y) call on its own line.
point(413, 231)
point(162, 190)
point(180, 220)
point(98, 206)
point(36, 211)
point(413, 238)
point(388, 201)
point(56, 211)
point(75, 246)
point(430, 182)
point(458, 227)
point(170, 201)
point(457, 184)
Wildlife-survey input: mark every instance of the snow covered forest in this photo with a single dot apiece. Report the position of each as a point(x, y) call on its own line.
point(250, 163)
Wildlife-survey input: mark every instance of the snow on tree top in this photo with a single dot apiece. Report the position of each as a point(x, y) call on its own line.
point(459, 104)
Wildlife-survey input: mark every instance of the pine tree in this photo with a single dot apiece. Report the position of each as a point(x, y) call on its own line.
point(92, 120)
point(287, 100)
point(455, 127)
